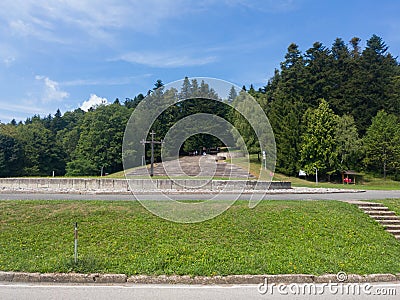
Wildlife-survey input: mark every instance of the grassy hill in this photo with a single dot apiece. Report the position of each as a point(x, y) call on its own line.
point(312, 237)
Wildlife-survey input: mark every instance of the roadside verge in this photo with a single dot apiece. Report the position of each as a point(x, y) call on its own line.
point(198, 280)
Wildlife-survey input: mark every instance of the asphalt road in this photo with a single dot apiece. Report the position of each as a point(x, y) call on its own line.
point(367, 195)
point(177, 292)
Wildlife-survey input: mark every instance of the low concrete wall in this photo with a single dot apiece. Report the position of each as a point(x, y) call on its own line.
point(122, 185)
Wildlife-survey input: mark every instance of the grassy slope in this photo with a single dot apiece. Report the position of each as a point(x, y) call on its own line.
point(122, 237)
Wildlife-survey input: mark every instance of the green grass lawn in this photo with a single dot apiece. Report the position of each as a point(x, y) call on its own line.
point(276, 237)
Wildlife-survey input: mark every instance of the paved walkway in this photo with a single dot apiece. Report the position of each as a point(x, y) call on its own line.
point(195, 166)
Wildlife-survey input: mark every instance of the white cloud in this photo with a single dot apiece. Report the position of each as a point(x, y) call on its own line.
point(8, 54)
point(105, 81)
point(10, 110)
point(45, 19)
point(165, 60)
point(21, 109)
point(93, 101)
point(51, 90)
point(20, 27)
point(8, 61)
point(268, 6)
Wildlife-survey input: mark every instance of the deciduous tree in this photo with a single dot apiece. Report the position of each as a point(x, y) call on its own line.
point(318, 148)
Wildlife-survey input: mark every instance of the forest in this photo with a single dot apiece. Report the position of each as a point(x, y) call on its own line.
point(331, 108)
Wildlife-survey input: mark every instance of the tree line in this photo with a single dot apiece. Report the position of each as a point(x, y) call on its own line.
point(331, 108)
point(335, 108)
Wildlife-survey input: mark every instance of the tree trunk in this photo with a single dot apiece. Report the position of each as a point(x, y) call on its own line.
point(384, 170)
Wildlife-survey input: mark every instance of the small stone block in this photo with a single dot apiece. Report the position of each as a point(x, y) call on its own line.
point(380, 278)
point(26, 277)
point(6, 276)
point(111, 278)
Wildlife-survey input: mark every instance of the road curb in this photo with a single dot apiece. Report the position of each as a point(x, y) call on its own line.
point(185, 279)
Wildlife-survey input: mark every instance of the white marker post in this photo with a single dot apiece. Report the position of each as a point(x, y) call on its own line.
point(76, 243)
point(265, 159)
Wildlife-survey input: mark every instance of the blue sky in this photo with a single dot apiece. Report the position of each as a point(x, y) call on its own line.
point(59, 54)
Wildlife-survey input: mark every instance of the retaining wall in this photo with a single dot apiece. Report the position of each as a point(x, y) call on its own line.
point(121, 185)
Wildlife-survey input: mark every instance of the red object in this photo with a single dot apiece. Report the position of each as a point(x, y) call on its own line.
point(347, 180)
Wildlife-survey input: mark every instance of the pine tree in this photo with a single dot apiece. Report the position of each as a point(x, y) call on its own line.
point(317, 74)
point(11, 156)
point(382, 144)
point(373, 83)
point(232, 94)
point(341, 92)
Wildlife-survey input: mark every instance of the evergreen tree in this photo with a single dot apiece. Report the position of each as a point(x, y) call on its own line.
point(11, 156)
point(341, 72)
point(355, 43)
point(285, 107)
point(200, 99)
point(57, 123)
point(353, 81)
point(232, 94)
point(285, 116)
point(158, 84)
point(375, 83)
point(382, 144)
point(293, 83)
point(318, 73)
point(132, 103)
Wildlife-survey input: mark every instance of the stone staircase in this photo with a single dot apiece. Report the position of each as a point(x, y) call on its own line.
point(380, 213)
point(195, 166)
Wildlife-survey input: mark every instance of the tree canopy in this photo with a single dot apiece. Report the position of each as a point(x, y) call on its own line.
point(331, 107)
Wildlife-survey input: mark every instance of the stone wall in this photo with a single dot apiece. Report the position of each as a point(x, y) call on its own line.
point(121, 185)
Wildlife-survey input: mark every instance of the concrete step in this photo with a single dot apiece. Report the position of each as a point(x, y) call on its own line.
point(370, 205)
point(391, 227)
point(372, 214)
point(389, 222)
point(386, 218)
point(395, 232)
point(373, 208)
